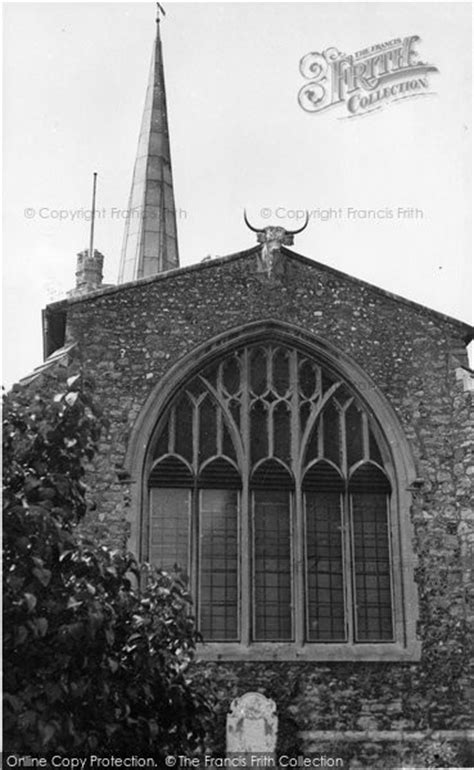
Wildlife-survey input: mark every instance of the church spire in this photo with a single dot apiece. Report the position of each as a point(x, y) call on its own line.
point(150, 242)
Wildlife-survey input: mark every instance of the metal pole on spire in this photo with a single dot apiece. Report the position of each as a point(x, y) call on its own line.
point(160, 11)
point(91, 242)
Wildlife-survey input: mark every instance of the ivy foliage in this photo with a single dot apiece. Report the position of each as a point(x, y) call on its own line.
point(96, 646)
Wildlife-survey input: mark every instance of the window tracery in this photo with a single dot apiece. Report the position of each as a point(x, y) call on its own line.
point(268, 486)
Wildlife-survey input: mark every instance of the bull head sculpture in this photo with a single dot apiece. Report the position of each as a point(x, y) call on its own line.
point(272, 239)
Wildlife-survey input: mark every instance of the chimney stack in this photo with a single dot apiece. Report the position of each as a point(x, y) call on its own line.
point(88, 273)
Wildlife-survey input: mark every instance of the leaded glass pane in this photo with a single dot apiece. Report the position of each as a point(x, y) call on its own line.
point(207, 430)
point(231, 375)
point(281, 372)
point(210, 375)
point(343, 395)
point(169, 527)
point(195, 388)
point(258, 371)
point(281, 432)
point(307, 379)
point(234, 407)
point(372, 567)
point(305, 410)
point(325, 600)
point(227, 444)
point(272, 566)
point(374, 449)
point(327, 381)
point(170, 472)
point(218, 565)
point(312, 447)
point(162, 445)
point(258, 432)
point(184, 428)
point(271, 474)
point(354, 441)
point(332, 434)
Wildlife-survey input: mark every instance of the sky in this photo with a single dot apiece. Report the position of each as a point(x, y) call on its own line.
point(74, 82)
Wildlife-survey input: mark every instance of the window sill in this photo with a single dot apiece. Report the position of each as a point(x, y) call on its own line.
point(280, 651)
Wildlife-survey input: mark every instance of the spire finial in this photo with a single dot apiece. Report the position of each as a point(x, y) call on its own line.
point(160, 11)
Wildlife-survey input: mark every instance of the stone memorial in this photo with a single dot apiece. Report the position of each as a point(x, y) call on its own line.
point(252, 725)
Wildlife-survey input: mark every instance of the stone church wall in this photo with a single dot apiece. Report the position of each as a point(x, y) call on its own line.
point(130, 337)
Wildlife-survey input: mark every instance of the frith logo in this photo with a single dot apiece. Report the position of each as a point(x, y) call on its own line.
point(364, 81)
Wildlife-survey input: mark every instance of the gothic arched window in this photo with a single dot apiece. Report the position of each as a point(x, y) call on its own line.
point(270, 483)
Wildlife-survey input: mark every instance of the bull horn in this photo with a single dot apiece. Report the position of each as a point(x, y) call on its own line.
point(300, 230)
point(254, 229)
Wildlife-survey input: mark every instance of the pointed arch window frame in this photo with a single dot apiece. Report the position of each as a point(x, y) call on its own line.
point(400, 468)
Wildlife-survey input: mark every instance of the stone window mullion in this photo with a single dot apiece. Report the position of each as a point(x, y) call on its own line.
point(289, 481)
point(299, 562)
point(246, 508)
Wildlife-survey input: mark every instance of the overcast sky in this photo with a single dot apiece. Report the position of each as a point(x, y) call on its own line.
point(75, 77)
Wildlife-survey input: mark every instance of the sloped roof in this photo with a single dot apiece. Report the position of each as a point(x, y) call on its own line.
point(60, 357)
point(209, 264)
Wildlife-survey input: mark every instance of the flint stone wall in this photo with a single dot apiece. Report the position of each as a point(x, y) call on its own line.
point(129, 337)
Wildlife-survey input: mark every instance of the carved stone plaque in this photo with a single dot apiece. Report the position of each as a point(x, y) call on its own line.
point(252, 725)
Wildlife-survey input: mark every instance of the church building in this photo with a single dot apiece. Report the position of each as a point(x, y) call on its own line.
point(299, 442)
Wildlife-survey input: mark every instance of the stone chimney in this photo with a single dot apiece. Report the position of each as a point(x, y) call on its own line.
point(88, 273)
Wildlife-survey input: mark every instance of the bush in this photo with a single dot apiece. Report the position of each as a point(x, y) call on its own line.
point(96, 646)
